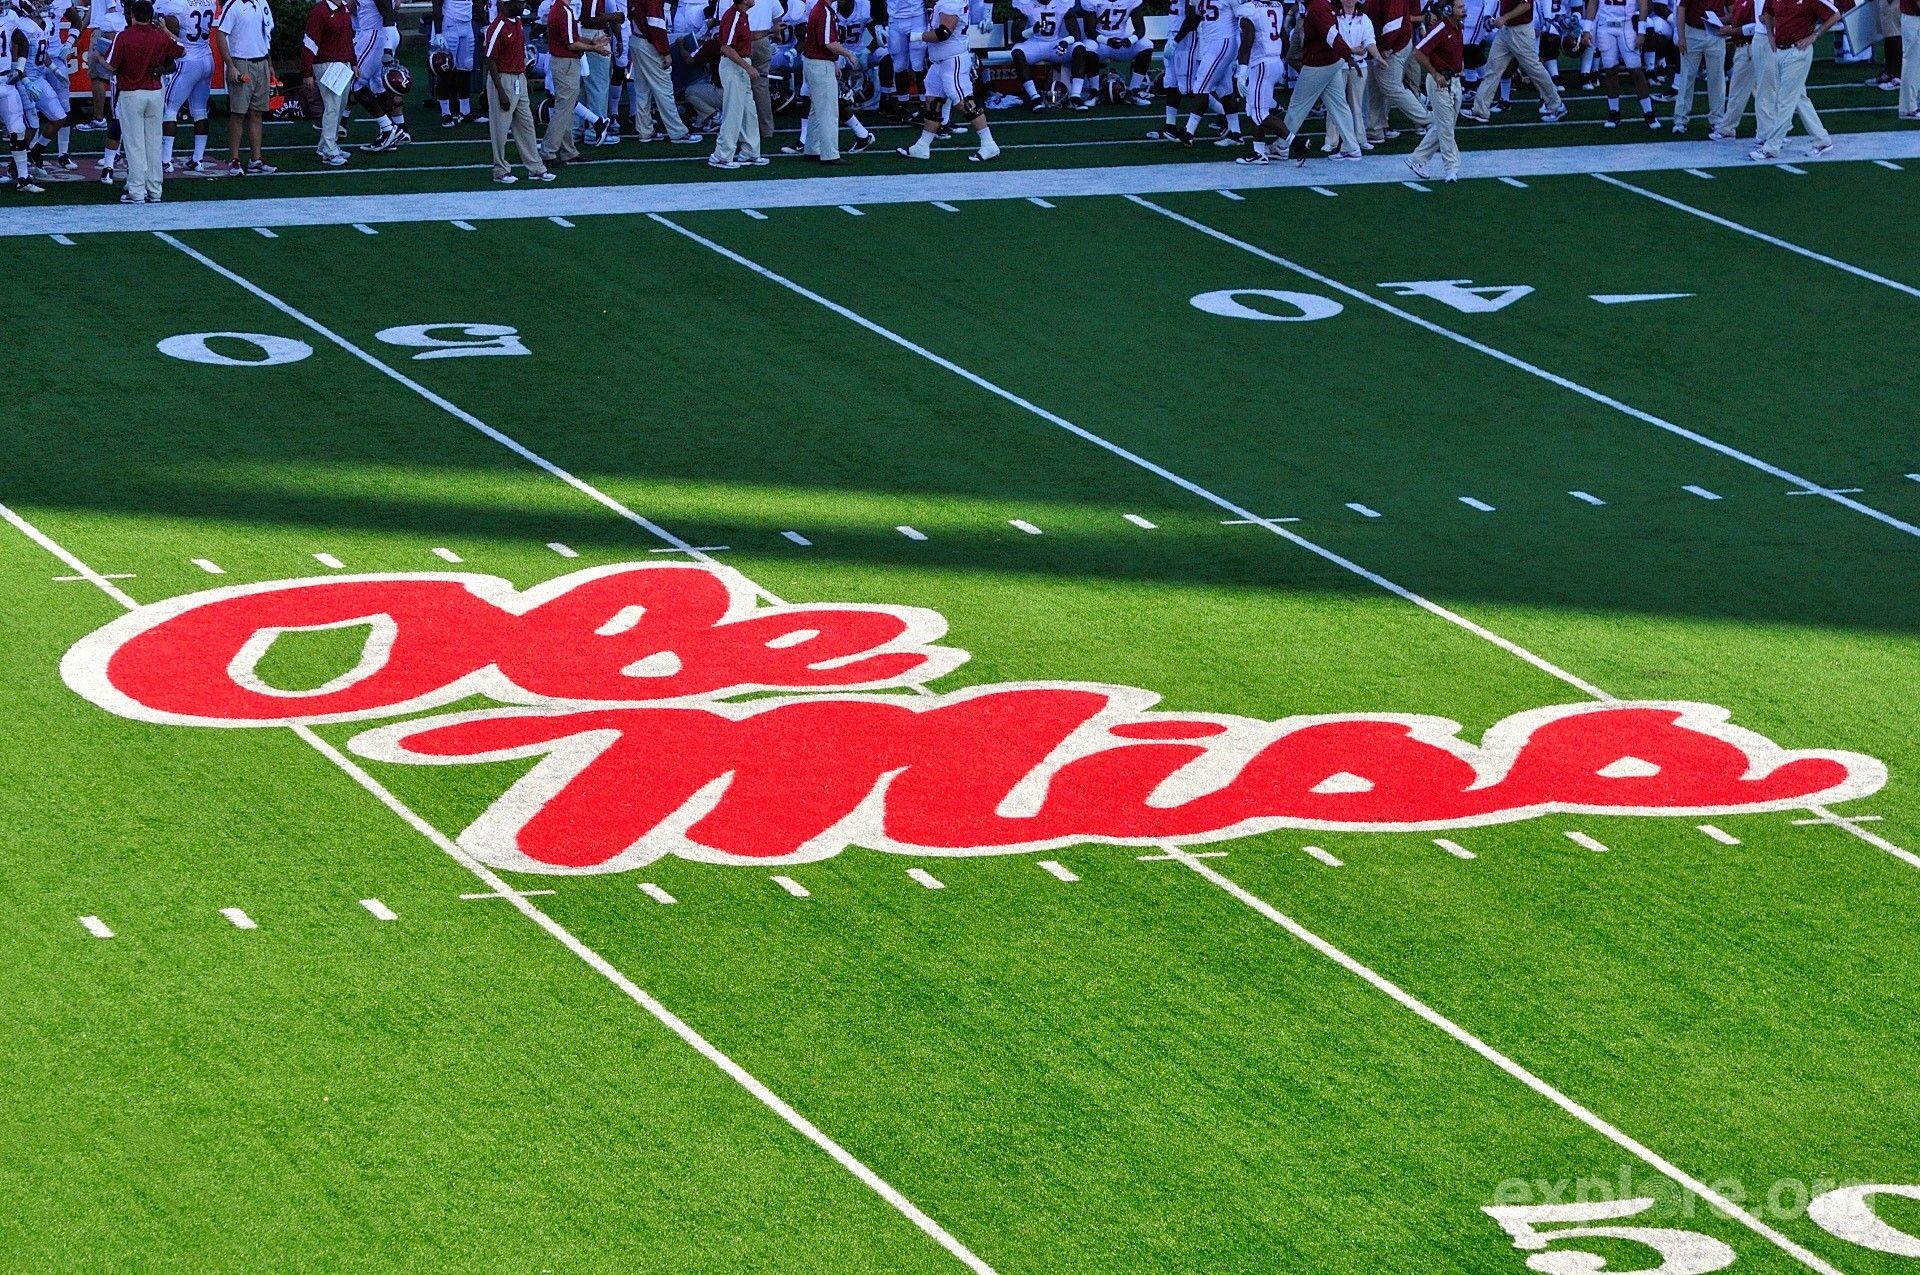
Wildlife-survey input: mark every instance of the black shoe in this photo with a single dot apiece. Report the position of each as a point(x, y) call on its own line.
point(859, 144)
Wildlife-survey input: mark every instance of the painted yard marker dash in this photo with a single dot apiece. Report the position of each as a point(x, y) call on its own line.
point(926, 878)
point(264, 233)
point(1454, 848)
point(1724, 837)
point(911, 533)
point(364, 228)
point(63, 241)
point(1914, 477)
point(656, 893)
point(944, 207)
point(330, 562)
point(1514, 182)
point(1021, 524)
point(561, 222)
point(96, 927)
point(754, 213)
point(797, 538)
point(446, 555)
point(1587, 496)
point(1322, 190)
point(463, 225)
point(1058, 871)
point(1235, 196)
point(792, 887)
point(1789, 168)
point(561, 549)
point(1038, 202)
point(381, 912)
point(1701, 492)
point(1701, 173)
point(1472, 503)
point(210, 567)
point(239, 918)
point(1417, 186)
point(851, 211)
point(1887, 163)
point(1142, 523)
point(1362, 510)
point(1315, 852)
point(1585, 842)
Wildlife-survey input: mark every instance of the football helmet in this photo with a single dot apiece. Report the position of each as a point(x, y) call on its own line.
point(397, 80)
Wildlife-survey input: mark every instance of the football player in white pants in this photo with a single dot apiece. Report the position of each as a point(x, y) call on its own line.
point(1264, 26)
point(1211, 32)
point(16, 62)
point(376, 42)
point(1117, 33)
point(906, 51)
point(1910, 59)
point(191, 22)
point(1046, 38)
point(1616, 41)
point(949, 82)
point(1173, 69)
point(453, 78)
point(44, 93)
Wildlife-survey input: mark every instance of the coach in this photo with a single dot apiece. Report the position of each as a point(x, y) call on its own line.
point(246, 33)
point(1703, 51)
point(1783, 92)
point(326, 55)
point(738, 140)
point(652, 67)
point(762, 17)
point(1387, 86)
point(820, 54)
point(138, 54)
point(505, 49)
point(1514, 43)
point(564, 47)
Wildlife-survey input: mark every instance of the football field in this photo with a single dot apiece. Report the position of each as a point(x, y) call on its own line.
point(1542, 557)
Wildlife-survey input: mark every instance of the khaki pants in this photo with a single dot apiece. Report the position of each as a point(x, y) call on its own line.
point(1443, 96)
point(823, 121)
point(511, 114)
point(1789, 98)
point(762, 96)
point(1705, 54)
point(1739, 90)
point(1909, 64)
point(1387, 87)
point(653, 90)
point(1329, 83)
point(1517, 46)
point(566, 95)
point(329, 112)
point(739, 136)
point(140, 111)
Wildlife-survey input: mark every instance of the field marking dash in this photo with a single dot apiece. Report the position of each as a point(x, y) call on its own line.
point(1021, 524)
point(1701, 492)
point(1322, 190)
point(63, 241)
point(1315, 852)
point(329, 561)
point(1887, 163)
point(1585, 842)
point(1142, 523)
point(561, 549)
point(1417, 186)
point(1789, 168)
point(1724, 837)
point(792, 887)
point(657, 893)
point(1058, 871)
point(911, 533)
point(561, 222)
point(1829, 491)
point(111, 575)
point(1701, 173)
point(1587, 496)
point(1234, 195)
point(504, 892)
point(381, 912)
point(96, 927)
point(1454, 848)
point(851, 211)
point(1514, 182)
point(462, 225)
point(926, 878)
point(1635, 298)
point(1473, 503)
point(944, 206)
point(241, 921)
point(264, 233)
point(754, 213)
point(1362, 510)
point(447, 555)
point(1038, 202)
point(796, 537)
point(210, 567)
point(364, 228)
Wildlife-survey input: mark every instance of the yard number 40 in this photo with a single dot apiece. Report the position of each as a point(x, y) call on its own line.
point(1845, 1214)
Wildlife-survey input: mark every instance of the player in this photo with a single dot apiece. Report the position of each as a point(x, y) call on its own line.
point(1264, 28)
point(15, 73)
point(191, 22)
point(858, 81)
point(1044, 32)
point(1211, 34)
point(1616, 41)
point(949, 82)
point(906, 51)
point(45, 95)
point(376, 41)
point(1173, 71)
point(453, 74)
point(1117, 33)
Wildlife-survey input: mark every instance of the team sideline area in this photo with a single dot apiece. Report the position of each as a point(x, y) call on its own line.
point(1107, 711)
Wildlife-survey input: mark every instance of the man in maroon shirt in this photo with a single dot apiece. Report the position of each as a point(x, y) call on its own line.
point(652, 71)
point(565, 44)
point(327, 56)
point(505, 48)
point(1441, 55)
point(139, 56)
point(820, 55)
point(1701, 35)
point(1387, 85)
point(1796, 25)
point(1323, 59)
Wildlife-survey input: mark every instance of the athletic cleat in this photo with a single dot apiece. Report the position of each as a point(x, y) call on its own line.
point(1613, 119)
point(335, 160)
point(32, 187)
point(448, 121)
point(1079, 104)
point(65, 163)
point(260, 168)
point(401, 138)
point(379, 144)
point(1760, 156)
point(1719, 135)
point(1039, 104)
point(1653, 122)
point(1477, 117)
point(1259, 156)
point(195, 166)
point(169, 168)
point(1553, 117)
point(1818, 149)
point(1229, 139)
point(984, 155)
point(1419, 170)
point(106, 177)
point(1347, 157)
point(793, 150)
point(91, 126)
point(596, 134)
point(860, 144)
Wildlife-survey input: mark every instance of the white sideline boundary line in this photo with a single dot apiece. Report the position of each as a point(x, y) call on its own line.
point(1533, 369)
point(1786, 244)
point(598, 963)
point(892, 188)
point(1433, 1017)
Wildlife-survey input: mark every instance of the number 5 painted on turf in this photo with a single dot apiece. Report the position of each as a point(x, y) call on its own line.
point(1681, 1252)
point(484, 339)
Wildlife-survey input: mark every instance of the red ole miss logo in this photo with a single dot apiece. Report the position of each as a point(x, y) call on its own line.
point(639, 692)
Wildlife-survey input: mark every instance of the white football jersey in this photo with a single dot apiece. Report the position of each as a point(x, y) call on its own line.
point(366, 16)
point(907, 14)
point(1217, 22)
point(855, 23)
point(1110, 19)
point(195, 18)
point(1615, 12)
point(1269, 21)
point(1046, 19)
point(955, 45)
point(108, 17)
point(455, 15)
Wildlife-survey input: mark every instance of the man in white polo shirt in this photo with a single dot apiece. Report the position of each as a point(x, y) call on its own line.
point(246, 31)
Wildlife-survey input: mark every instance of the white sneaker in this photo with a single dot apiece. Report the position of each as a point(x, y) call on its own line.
point(505, 179)
point(723, 163)
point(1816, 151)
point(1715, 135)
point(1761, 156)
point(1419, 171)
point(987, 152)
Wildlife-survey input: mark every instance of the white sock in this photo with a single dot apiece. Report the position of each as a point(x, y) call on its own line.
point(1233, 121)
point(166, 149)
point(1076, 86)
point(386, 125)
point(859, 130)
point(199, 147)
point(986, 138)
point(466, 106)
point(1031, 90)
point(1646, 106)
point(1193, 124)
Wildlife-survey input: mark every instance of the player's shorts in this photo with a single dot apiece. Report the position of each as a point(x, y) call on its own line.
point(369, 60)
point(951, 78)
point(1045, 52)
point(908, 53)
point(1210, 66)
point(1173, 64)
point(13, 114)
point(1265, 78)
point(1124, 53)
point(460, 47)
point(1613, 45)
point(188, 87)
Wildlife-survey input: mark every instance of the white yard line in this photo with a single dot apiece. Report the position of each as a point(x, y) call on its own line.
point(1585, 842)
point(1724, 837)
point(1534, 369)
point(792, 887)
point(1058, 871)
point(926, 878)
point(1454, 848)
point(1579, 1111)
point(1315, 852)
point(658, 893)
point(598, 963)
point(379, 910)
point(1762, 236)
point(96, 927)
point(239, 919)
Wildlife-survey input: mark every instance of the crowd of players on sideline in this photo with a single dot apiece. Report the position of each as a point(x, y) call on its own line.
point(677, 71)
